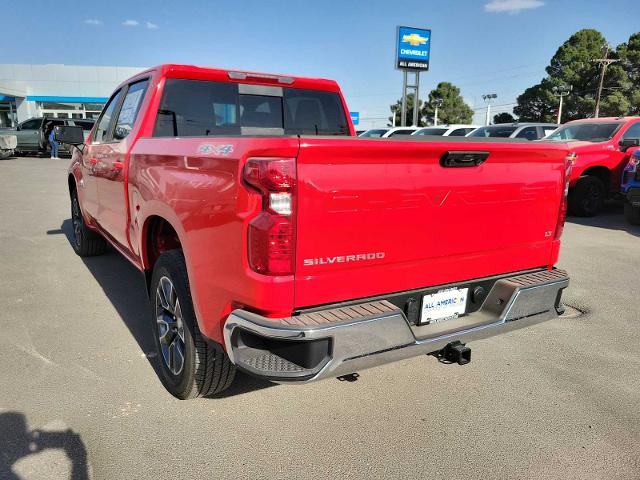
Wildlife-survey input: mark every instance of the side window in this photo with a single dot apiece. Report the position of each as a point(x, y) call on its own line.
point(129, 110)
point(633, 132)
point(459, 132)
point(31, 124)
point(530, 133)
point(102, 130)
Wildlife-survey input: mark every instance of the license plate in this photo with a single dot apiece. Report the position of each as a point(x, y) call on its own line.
point(443, 305)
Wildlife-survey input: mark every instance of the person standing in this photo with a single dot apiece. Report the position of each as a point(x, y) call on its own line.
point(52, 141)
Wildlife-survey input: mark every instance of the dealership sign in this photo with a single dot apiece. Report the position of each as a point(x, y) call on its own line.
point(355, 117)
point(413, 48)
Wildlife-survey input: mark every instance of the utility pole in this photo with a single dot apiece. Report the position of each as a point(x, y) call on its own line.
point(437, 103)
point(488, 98)
point(605, 62)
point(561, 91)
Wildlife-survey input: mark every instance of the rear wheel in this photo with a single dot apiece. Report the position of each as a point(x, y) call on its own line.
point(86, 242)
point(190, 365)
point(631, 213)
point(586, 198)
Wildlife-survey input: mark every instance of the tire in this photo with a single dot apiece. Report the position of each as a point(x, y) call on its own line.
point(205, 368)
point(631, 213)
point(586, 198)
point(86, 243)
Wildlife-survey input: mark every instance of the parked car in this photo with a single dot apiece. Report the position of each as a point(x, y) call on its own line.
point(392, 132)
point(603, 147)
point(32, 137)
point(526, 131)
point(7, 145)
point(459, 130)
point(274, 241)
point(373, 133)
point(631, 189)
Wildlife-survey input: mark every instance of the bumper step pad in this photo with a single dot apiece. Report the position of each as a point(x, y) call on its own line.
point(346, 339)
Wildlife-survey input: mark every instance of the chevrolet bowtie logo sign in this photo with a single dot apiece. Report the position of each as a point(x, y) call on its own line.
point(414, 39)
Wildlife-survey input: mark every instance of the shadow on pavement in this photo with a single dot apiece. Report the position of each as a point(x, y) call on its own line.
point(18, 442)
point(611, 217)
point(124, 286)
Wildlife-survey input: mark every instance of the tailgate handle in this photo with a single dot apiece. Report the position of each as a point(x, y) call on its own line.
point(463, 158)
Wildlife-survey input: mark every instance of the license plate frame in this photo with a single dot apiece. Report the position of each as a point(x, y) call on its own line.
point(443, 305)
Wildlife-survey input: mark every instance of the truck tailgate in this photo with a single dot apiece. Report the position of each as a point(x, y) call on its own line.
point(382, 216)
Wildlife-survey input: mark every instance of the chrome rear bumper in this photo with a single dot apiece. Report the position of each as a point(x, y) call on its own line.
point(343, 340)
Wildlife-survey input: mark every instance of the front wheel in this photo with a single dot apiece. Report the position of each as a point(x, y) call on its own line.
point(190, 365)
point(586, 198)
point(631, 213)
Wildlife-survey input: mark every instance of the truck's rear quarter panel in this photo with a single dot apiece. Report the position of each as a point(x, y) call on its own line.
point(195, 184)
point(429, 225)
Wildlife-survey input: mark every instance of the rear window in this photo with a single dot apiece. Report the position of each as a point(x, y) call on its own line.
point(196, 108)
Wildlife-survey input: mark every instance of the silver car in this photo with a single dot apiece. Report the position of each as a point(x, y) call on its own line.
point(32, 137)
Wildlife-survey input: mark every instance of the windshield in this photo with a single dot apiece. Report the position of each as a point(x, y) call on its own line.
point(431, 131)
point(496, 131)
point(374, 133)
point(588, 132)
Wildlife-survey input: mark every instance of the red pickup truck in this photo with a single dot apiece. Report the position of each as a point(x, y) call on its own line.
point(603, 147)
point(275, 241)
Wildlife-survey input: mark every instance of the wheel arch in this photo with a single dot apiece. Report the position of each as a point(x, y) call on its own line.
point(598, 171)
point(158, 235)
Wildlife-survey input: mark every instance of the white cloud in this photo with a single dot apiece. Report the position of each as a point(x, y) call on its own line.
point(512, 6)
point(92, 21)
point(152, 26)
point(130, 23)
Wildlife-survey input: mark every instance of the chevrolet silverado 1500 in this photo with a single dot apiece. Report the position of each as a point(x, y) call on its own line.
point(276, 242)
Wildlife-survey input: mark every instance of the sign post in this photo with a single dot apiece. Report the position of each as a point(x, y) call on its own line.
point(413, 50)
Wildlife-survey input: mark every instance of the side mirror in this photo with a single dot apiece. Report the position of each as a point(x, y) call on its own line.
point(72, 135)
point(628, 143)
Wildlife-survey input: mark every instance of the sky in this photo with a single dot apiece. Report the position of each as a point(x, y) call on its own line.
point(481, 46)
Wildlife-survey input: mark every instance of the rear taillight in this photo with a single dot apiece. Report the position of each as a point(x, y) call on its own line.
point(562, 212)
point(271, 234)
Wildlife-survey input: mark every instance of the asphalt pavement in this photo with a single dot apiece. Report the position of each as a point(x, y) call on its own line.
point(79, 397)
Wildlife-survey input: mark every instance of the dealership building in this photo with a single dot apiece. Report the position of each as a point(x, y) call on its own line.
point(61, 91)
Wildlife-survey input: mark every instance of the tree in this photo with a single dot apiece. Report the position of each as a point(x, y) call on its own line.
point(396, 110)
point(536, 104)
point(573, 65)
point(453, 109)
point(504, 117)
point(629, 55)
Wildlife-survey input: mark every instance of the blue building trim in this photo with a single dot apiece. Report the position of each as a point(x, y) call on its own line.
point(48, 98)
point(7, 98)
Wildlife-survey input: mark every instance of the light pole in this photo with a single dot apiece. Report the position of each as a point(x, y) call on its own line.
point(437, 103)
point(488, 98)
point(561, 91)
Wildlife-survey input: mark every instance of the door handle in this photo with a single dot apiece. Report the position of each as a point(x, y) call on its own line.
point(93, 161)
